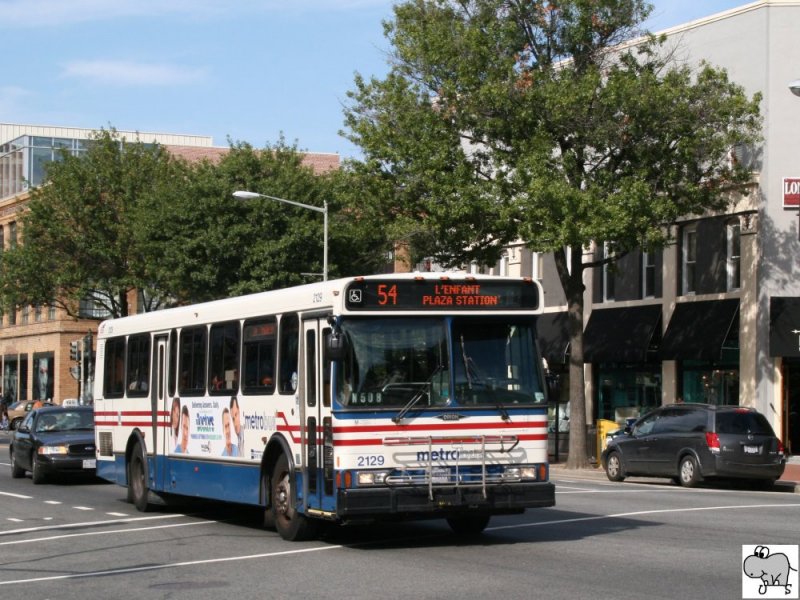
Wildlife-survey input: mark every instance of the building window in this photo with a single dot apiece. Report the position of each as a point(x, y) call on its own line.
point(474, 269)
point(12, 316)
point(2, 238)
point(689, 264)
point(25, 314)
point(51, 313)
point(37, 313)
point(734, 254)
point(648, 274)
point(537, 266)
point(12, 234)
point(608, 272)
point(504, 265)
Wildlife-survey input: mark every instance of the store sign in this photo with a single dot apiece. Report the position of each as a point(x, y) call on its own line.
point(791, 192)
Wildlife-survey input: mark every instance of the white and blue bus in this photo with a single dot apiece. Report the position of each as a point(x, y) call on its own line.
point(402, 396)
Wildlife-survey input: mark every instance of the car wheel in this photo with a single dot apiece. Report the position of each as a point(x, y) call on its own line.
point(138, 492)
point(468, 525)
point(291, 525)
point(17, 472)
point(15, 423)
point(37, 472)
point(688, 472)
point(614, 467)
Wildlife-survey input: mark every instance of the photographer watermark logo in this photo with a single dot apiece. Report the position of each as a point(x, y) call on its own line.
point(769, 571)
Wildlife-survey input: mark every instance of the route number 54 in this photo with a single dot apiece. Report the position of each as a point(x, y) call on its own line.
point(387, 296)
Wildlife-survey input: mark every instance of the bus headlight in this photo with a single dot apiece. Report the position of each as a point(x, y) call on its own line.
point(371, 478)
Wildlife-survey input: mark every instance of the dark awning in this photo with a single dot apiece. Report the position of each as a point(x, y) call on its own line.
point(552, 334)
point(698, 330)
point(784, 326)
point(621, 334)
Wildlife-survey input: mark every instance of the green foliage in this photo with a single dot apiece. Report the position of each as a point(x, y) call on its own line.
point(538, 120)
point(76, 235)
point(132, 217)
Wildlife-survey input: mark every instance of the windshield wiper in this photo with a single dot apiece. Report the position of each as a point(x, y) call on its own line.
point(501, 408)
point(414, 399)
point(423, 391)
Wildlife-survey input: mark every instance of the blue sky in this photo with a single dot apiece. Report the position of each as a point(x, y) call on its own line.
point(248, 70)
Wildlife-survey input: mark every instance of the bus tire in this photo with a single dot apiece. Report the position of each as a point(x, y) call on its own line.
point(291, 525)
point(468, 525)
point(269, 516)
point(138, 492)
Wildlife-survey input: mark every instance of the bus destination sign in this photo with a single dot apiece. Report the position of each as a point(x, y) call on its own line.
point(444, 295)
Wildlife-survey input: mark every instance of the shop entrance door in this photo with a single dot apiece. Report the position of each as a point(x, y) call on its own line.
point(791, 405)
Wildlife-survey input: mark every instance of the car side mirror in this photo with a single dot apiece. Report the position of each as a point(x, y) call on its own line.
point(627, 430)
point(23, 428)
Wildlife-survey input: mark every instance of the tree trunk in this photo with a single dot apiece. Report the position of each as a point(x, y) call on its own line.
point(572, 282)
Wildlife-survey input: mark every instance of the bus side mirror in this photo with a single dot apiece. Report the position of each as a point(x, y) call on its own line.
point(335, 347)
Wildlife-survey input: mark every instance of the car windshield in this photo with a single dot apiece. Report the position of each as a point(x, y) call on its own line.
point(65, 421)
point(743, 422)
point(392, 362)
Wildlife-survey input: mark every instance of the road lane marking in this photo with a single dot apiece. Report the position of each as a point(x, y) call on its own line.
point(190, 563)
point(638, 514)
point(20, 496)
point(90, 524)
point(52, 502)
point(116, 514)
point(82, 508)
point(208, 561)
point(93, 533)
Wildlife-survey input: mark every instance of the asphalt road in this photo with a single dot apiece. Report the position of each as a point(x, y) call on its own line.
point(603, 540)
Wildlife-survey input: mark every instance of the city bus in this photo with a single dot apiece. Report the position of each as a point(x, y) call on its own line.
point(351, 400)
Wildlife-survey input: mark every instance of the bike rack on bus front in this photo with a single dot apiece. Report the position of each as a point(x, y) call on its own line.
point(512, 440)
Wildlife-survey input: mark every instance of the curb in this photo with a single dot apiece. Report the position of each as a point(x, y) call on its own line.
point(596, 473)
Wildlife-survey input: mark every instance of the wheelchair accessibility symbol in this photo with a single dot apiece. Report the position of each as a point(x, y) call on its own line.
point(354, 296)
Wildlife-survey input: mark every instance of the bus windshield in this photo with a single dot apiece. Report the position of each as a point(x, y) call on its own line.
point(438, 362)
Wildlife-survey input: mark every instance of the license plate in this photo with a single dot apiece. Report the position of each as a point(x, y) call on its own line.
point(89, 463)
point(440, 476)
point(752, 449)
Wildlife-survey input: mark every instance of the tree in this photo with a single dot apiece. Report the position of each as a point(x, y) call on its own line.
point(537, 120)
point(77, 233)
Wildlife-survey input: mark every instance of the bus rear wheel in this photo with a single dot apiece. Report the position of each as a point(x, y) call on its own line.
point(468, 525)
point(138, 492)
point(291, 525)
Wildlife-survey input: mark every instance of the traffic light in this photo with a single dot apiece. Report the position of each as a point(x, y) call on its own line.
point(75, 351)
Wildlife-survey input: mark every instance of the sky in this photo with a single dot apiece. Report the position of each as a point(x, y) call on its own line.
point(240, 70)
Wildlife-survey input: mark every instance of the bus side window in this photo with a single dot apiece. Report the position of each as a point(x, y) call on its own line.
point(114, 368)
point(258, 350)
point(173, 362)
point(289, 347)
point(138, 372)
point(224, 365)
point(192, 363)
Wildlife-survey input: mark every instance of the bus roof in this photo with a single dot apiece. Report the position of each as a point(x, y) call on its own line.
point(459, 288)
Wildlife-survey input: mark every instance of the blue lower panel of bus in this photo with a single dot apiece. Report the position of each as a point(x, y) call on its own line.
point(226, 481)
point(504, 498)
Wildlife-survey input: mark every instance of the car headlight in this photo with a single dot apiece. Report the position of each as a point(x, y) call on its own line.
point(53, 450)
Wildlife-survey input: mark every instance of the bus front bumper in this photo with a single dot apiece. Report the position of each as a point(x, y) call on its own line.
point(416, 500)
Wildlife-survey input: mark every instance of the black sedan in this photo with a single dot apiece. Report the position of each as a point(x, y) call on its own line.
point(54, 439)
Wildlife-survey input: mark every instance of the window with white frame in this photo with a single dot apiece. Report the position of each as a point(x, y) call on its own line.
point(537, 266)
point(504, 265)
point(689, 260)
point(734, 255)
point(648, 274)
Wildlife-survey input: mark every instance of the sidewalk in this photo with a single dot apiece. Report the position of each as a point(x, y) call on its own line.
point(789, 482)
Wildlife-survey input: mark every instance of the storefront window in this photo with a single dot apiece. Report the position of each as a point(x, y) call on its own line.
point(627, 391)
point(710, 383)
point(43, 376)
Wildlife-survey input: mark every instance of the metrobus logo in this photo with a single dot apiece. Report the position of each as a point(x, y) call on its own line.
point(791, 192)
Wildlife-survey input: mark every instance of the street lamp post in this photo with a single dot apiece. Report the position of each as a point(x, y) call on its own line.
point(794, 87)
point(243, 195)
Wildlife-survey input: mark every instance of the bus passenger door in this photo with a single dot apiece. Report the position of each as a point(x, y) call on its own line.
point(316, 403)
point(158, 405)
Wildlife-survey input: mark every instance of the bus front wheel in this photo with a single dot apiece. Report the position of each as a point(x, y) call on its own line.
point(291, 525)
point(138, 491)
point(468, 525)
